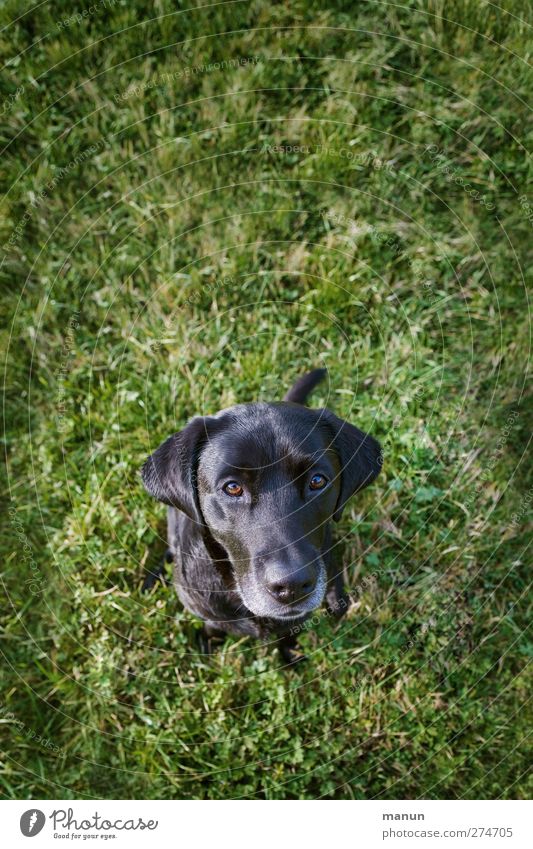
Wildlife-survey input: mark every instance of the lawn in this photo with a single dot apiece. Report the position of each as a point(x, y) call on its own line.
point(198, 205)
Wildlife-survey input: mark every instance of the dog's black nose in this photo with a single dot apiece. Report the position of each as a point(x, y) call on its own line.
point(289, 584)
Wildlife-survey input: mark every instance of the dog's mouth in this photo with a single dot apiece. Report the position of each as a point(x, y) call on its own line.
point(260, 603)
point(291, 615)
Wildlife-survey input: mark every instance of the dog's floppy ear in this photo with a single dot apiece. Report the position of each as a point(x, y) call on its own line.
point(359, 455)
point(169, 474)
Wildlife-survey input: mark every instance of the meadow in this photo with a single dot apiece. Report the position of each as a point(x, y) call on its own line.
point(200, 202)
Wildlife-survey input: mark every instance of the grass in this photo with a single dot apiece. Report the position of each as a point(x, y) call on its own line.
point(179, 263)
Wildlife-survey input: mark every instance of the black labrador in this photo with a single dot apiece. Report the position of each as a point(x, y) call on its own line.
point(252, 491)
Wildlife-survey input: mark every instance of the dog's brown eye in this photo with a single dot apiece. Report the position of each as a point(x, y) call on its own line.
point(233, 488)
point(317, 482)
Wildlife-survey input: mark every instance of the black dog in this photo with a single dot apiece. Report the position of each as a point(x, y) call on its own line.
point(252, 491)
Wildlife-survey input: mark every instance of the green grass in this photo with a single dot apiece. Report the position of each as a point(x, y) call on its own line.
point(178, 264)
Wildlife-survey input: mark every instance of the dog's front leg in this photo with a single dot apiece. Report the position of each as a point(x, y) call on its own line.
point(209, 637)
point(159, 573)
point(288, 649)
point(337, 598)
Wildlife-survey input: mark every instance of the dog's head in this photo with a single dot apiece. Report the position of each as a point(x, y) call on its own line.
point(264, 480)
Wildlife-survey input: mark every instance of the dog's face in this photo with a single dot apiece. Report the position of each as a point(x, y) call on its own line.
point(264, 480)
